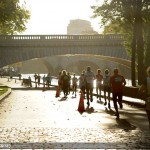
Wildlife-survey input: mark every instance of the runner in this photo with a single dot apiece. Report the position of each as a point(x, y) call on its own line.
point(38, 78)
point(35, 77)
point(117, 83)
point(59, 81)
point(89, 77)
point(74, 84)
point(145, 93)
point(64, 81)
point(99, 79)
point(107, 89)
point(69, 82)
point(82, 82)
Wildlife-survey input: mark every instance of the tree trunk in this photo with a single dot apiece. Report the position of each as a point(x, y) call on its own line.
point(133, 76)
point(140, 43)
point(147, 53)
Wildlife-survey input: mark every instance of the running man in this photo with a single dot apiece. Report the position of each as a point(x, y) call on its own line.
point(74, 84)
point(107, 89)
point(117, 83)
point(64, 81)
point(69, 82)
point(99, 79)
point(82, 82)
point(89, 77)
point(59, 81)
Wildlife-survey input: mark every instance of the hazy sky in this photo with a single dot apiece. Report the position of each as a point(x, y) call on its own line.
point(53, 16)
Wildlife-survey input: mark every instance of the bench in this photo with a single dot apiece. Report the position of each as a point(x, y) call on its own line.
point(27, 82)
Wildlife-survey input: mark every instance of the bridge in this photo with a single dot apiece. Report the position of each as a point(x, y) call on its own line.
point(16, 48)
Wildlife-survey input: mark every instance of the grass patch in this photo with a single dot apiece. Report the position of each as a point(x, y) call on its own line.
point(3, 90)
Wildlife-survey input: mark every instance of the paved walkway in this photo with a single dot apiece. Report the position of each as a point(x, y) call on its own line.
point(17, 84)
point(69, 138)
point(47, 122)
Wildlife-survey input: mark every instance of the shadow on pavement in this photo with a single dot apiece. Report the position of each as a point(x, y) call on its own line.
point(124, 124)
point(89, 110)
point(109, 111)
point(100, 102)
point(73, 97)
point(63, 99)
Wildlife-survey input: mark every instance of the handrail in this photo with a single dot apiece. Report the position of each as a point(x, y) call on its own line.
point(63, 37)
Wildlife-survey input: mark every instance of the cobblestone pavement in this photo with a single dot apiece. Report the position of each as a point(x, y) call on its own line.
point(77, 137)
point(47, 122)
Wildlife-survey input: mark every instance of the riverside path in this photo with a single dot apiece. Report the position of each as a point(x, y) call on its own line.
point(38, 120)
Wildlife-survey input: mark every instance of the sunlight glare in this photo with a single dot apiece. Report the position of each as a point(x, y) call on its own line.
point(53, 16)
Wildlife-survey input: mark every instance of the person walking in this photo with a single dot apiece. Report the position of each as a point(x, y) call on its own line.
point(64, 80)
point(117, 83)
point(59, 81)
point(106, 86)
point(89, 77)
point(48, 78)
point(99, 79)
point(147, 104)
point(35, 77)
point(74, 84)
point(145, 92)
point(44, 79)
point(38, 78)
point(69, 82)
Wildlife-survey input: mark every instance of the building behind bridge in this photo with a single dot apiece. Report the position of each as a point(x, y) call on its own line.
point(79, 26)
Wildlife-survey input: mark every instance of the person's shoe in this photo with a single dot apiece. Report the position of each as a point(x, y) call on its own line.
point(109, 105)
point(105, 103)
point(91, 99)
point(117, 115)
point(88, 103)
point(121, 106)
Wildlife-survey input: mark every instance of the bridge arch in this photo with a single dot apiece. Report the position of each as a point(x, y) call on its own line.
point(77, 63)
point(18, 48)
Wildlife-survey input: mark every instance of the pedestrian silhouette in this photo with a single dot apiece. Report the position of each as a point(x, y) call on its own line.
point(117, 83)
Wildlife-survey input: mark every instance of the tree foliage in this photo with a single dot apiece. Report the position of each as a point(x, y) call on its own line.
point(13, 17)
point(131, 16)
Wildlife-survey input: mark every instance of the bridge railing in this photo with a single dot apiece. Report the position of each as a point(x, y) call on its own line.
point(63, 37)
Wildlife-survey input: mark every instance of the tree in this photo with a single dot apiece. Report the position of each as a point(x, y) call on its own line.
point(132, 13)
point(146, 13)
point(13, 17)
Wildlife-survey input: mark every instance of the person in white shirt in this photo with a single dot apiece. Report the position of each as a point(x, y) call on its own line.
point(99, 78)
point(89, 77)
point(74, 84)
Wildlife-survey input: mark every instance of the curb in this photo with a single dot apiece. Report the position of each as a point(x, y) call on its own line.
point(139, 103)
point(136, 104)
point(5, 94)
point(32, 88)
